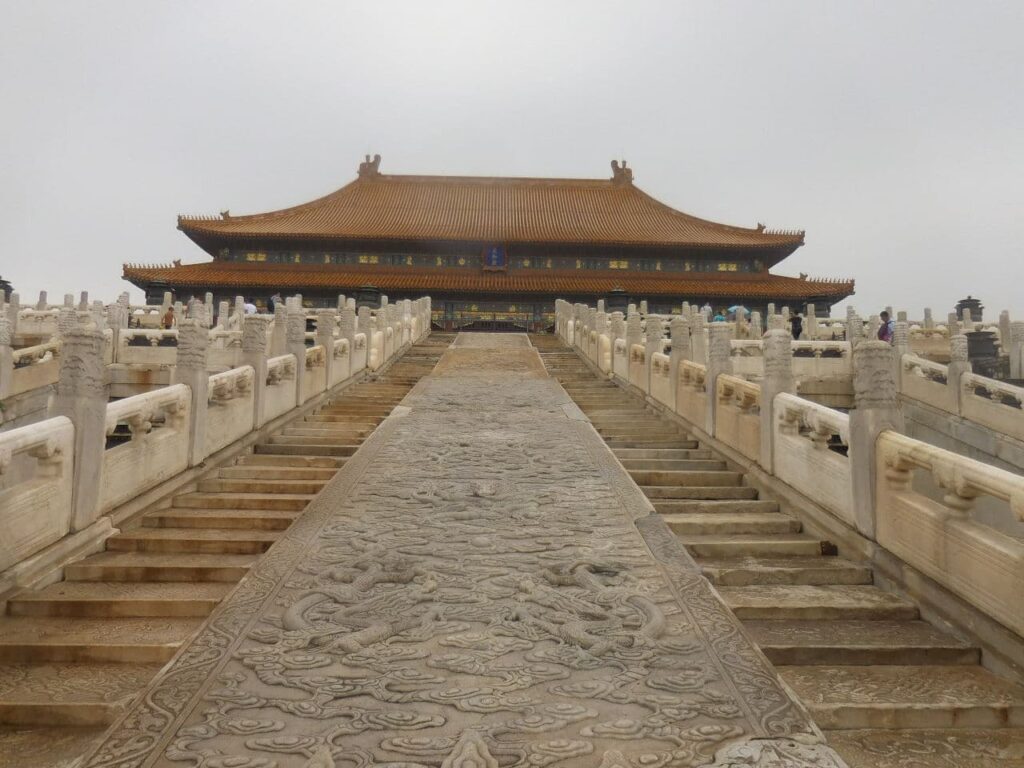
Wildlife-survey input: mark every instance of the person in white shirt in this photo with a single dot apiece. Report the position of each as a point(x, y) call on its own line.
point(250, 308)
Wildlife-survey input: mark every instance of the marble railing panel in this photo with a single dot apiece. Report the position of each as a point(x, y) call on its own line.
point(35, 367)
point(926, 381)
point(993, 404)
point(229, 409)
point(315, 380)
point(141, 346)
point(638, 366)
point(691, 394)
point(158, 422)
point(340, 365)
point(620, 360)
point(803, 459)
point(279, 395)
point(737, 415)
point(939, 537)
point(35, 495)
point(661, 384)
point(359, 354)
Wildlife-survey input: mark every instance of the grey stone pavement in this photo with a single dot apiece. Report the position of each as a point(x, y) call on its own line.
point(480, 586)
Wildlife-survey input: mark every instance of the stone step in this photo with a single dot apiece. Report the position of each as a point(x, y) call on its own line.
point(44, 747)
point(240, 500)
point(356, 433)
point(828, 602)
point(930, 748)
point(737, 545)
point(119, 599)
point(192, 540)
point(306, 450)
point(242, 519)
point(136, 641)
point(72, 695)
point(747, 571)
point(858, 642)
point(706, 492)
point(315, 440)
point(274, 460)
point(846, 697)
point(644, 477)
point(615, 444)
point(663, 453)
point(323, 417)
point(150, 566)
point(720, 506)
point(333, 423)
point(720, 523)
point(270, 486)
point(269, 472)
point(675, 465)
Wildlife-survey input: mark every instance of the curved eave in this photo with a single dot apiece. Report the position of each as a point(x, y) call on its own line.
point(213, 275)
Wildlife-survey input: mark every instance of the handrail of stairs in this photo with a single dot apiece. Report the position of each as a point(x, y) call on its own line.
point(66, 481)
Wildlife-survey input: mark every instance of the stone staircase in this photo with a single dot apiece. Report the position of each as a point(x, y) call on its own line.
point(74, 654)
point(890, 690)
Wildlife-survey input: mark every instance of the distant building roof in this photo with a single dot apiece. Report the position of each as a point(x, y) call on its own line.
point(257, 276)
point(378, 206)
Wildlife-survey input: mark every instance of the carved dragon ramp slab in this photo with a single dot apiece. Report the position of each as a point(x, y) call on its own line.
point(481, 586)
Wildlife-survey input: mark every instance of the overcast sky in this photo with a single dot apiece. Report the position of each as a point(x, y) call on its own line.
point(893, 132)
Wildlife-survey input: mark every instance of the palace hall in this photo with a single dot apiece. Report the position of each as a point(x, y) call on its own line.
point(489, 250)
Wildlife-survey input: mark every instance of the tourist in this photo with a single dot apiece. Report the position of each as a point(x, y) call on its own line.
point(887, 329)
point(250, 307)
point(718, 318)
point(168, 321)
point(796, 324)
point(273, 302)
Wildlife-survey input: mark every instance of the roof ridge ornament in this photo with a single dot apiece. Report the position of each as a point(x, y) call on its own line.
point(621, 174)
point(369, 169)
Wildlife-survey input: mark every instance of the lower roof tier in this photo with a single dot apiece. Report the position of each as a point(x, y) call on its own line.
point(232, 276)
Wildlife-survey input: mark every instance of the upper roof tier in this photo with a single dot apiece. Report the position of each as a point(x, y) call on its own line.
point(378, 206)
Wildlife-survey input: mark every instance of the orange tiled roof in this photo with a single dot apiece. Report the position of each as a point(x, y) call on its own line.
point(490, 209)
point(272, 277)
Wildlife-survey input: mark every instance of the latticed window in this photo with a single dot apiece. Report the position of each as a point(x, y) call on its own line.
point(256, 256)
point(727, 266)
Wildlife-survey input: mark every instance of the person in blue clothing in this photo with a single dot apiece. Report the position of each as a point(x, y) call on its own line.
point(887, 329)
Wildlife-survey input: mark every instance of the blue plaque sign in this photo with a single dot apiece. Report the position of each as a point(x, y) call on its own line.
point(495, 257)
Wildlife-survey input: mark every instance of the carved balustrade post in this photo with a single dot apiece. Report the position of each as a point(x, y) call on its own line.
point(929, 321)
point(776, 323)
point(756, 328)
point(968, 321)
point(13, 308)
point(901, 347)
point(634, 333)
point(655, 332)
point(254, 353)
point(326, 323)
point(41, 305)
point(959, 364)
point(279, 332)
point(191, 369)
point(778, 378)
point(952, 324)
point(876, 410)
point(82, 396)
point(698, 339)
point(1017, 349)
point(719, 362)
point(679, 332)
point(643, 307)
point(347, 330)
point(341, 302)
point(1004, 332)
point(6, 358)
point(295, 344)
point(165, 302)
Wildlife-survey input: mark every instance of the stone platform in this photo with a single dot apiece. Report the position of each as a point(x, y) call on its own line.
point(482, 585)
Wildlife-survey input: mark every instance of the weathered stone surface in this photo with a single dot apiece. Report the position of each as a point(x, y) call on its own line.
point(471, 590)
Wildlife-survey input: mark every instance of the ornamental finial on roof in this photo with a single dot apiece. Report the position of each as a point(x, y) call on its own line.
point(369, 168)
point(621, 174)
point(225, 214)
